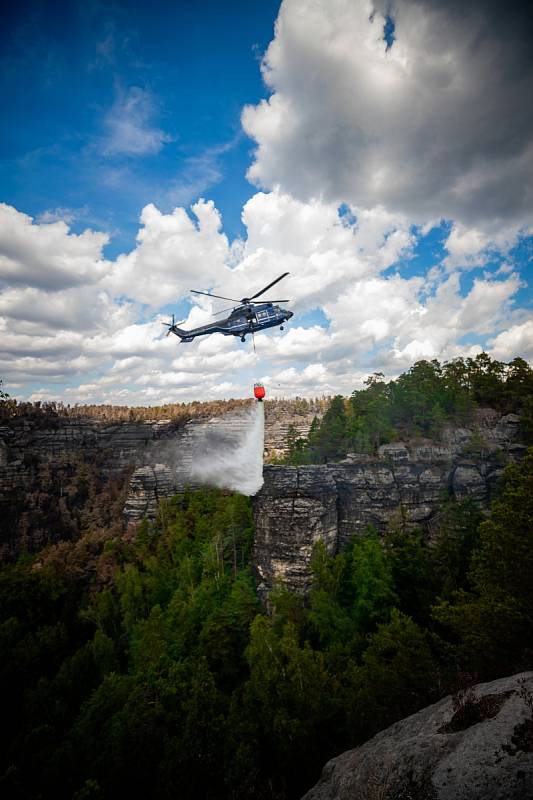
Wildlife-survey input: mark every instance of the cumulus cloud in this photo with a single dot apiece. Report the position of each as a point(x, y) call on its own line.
point(448, 316)
point(385, 324)
point(173, 255)
point(343, 262)
point(472, 247)
point(314, 380)
point(75, 314)
point(321, 249)
point(437, 125)
point(47, 256)
point(517, 340)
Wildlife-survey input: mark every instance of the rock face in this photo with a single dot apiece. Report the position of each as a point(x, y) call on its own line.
point(298, 505)
point(482, 751)
point(148, 485)
point(280, 416)
point(45, 463)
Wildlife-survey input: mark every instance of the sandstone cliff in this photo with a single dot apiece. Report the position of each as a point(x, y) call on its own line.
point(299, 505)
point(60, 476)
point(54, 472)
point(481, 749)
point(280, 415)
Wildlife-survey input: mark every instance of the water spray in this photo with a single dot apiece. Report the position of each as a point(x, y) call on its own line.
point(231, 460)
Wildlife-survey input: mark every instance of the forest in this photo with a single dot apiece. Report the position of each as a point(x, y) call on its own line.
point(156, 673)
point(420, 403)
point(46, 411)
point(146, 666)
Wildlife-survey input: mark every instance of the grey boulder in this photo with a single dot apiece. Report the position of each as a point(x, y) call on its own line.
point(478, 749)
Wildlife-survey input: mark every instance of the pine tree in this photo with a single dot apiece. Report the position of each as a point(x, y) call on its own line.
point(494, 621)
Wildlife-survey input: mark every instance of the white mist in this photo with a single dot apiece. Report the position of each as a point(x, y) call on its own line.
point(235, 464)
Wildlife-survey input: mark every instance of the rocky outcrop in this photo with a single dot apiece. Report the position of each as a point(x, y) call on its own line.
point(283, 415)
point(53, 470)
point(148, 485)
point(46, 463)
point(480, 748)
point(298, 505)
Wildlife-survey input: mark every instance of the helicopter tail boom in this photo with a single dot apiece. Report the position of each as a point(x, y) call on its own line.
point(183, 335)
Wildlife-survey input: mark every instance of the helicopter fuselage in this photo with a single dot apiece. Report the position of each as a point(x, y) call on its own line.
point(245, 319)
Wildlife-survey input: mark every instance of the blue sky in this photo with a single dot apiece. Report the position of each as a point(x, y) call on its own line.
point(152, 148)
point(66, 65)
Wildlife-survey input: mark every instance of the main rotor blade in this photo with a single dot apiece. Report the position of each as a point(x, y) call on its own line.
point(253, 302)
point(220, 297)
point(224, 311)
point(268, 287)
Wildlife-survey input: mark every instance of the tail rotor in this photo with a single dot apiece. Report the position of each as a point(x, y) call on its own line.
point(172, 325)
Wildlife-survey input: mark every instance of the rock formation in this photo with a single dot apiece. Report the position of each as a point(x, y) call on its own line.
point(299, 505)
point(45, 463)
point(477, 748)
point(49, 466)
point(281, 415)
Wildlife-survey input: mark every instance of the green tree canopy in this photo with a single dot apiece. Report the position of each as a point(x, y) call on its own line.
point(494, 621)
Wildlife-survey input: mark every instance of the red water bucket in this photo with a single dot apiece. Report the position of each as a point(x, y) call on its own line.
point(259, 391)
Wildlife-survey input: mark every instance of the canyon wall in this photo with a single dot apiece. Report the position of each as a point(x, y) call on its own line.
point(61, 476)
point(407, 482)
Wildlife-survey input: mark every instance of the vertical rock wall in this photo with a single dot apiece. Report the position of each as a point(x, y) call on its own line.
point(298, 505)
point(44, 463)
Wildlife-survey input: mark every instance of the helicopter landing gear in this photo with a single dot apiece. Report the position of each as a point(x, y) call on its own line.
point(243, 339)
point(281, 327)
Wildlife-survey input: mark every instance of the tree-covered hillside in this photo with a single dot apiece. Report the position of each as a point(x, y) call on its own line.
point(419, 403)
point(147, 668)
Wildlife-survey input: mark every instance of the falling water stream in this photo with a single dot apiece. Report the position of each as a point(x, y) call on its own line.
point(234, 462)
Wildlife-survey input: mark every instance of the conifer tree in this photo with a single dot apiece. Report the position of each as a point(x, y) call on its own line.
point(494, 621)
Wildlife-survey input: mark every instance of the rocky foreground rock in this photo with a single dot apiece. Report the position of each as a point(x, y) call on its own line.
point(478, 749)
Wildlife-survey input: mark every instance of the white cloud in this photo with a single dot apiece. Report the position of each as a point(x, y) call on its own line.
point(437, 325)
point(172, 256)
point(322, 252)
point(93, 332)
point(128, 125)
point(47, 256)
point(86, 308)
point(472, 247)
point(315, 380)
point(517, 340)
point(439, 125)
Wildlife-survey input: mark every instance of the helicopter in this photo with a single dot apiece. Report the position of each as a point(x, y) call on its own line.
point(249, 316)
